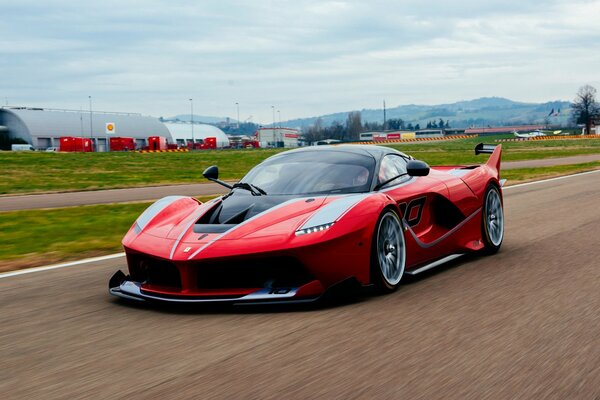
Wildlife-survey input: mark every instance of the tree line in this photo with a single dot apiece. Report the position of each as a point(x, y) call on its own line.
point(585, 110)
point(351, 129)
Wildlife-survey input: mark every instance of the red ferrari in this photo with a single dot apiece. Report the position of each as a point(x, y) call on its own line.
point(303, 221)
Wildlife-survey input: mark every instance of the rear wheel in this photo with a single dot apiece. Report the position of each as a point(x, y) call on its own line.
point(388, 252)
point(492, 229)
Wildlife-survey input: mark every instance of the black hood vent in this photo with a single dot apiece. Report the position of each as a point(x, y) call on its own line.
point(235, 209)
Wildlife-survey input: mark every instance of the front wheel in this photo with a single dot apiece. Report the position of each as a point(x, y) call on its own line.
point(388, 252)
point(492, 229)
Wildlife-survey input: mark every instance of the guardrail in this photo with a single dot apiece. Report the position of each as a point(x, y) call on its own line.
point(576, 137)
point(415, 140)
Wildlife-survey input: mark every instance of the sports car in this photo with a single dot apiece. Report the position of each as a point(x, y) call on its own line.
point(306, 220)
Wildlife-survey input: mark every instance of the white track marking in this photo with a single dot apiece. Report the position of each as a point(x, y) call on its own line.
point(550, 179)
point(57, 266)
point(111, 256)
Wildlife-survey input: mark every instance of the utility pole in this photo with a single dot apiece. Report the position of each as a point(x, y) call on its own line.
point(275, 136)
point(384, 118)
point(237, 105)
point(91, 127)
point(192, 121)
point(273, 108)
point(81, 118)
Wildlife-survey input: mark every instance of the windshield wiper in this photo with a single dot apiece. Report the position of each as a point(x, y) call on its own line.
point(255, 190)
point(388, 181)
point(258, 189)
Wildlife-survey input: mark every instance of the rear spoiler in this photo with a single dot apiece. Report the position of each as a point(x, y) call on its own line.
point(482, 148)
point(495, 158)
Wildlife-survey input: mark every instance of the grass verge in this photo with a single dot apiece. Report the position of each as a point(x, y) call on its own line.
point(34, 172)
point(521, 175)
point(40, 237)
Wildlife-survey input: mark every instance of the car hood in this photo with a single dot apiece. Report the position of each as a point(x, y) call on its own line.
point(183, 227)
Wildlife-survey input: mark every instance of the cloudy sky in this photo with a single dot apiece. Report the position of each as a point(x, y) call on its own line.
point(303, 57)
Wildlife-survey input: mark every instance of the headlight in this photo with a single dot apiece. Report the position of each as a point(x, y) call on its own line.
point(313, 229)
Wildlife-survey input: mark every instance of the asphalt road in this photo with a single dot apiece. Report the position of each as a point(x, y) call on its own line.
point(523, 324)
point(53, 200)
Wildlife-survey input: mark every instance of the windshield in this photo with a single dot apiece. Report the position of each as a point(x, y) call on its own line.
point(313, 172)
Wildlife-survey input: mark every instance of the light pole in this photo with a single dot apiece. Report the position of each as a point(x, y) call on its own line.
point(81, 118)
point(274, 131)
point(192, 121)
point(384, 117)
point(273, 108)
point(279, 134)
point(91, 128)
point(237, 105)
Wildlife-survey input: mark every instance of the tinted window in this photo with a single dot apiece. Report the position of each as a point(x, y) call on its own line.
point(391, 166)
point(309, 172)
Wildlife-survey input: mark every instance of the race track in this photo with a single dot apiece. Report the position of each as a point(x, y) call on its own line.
point(523, 324)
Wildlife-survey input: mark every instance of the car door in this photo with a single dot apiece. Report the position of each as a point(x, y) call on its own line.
point(416, 197)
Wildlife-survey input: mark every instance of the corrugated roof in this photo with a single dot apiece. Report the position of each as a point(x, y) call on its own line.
point(55, 123)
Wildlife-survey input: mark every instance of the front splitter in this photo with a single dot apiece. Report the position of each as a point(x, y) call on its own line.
point(122, 287)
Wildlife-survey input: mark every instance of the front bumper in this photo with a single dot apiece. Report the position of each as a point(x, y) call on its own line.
point(122, 286)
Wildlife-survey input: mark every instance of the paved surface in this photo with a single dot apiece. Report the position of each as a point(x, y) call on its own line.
point(523, 324)
point(53, 200)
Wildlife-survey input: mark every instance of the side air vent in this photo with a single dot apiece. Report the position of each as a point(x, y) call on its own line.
point(212, 215)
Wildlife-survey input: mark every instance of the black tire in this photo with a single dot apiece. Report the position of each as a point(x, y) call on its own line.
point(388, 252)
point(492, 220)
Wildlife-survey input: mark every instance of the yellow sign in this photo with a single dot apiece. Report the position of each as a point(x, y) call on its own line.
point(110, 128)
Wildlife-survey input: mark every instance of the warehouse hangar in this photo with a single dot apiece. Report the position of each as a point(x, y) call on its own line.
point(43, 127)
point(181, 133)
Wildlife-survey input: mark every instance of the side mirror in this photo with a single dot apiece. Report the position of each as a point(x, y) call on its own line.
point(417, 168)
point(211, 172)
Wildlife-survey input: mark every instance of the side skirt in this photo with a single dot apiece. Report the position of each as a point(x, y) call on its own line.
point(434, 264)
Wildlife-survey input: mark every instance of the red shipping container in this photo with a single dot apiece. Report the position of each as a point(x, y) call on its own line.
point(70, 143)
point(122, 143)
point(157, 143)
point(209, 143)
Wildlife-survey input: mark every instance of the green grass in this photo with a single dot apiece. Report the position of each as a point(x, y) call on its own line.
point(36, 237)
point(526, 174)
point(25, 172)
point(461, 151)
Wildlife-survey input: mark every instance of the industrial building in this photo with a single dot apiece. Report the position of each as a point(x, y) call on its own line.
point(278, 137)
point(181, 133)
point(43, 128)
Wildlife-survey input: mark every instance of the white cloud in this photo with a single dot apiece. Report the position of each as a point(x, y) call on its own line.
point(305, 57)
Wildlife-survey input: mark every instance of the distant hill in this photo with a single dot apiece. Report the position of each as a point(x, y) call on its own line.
point(493, 111)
